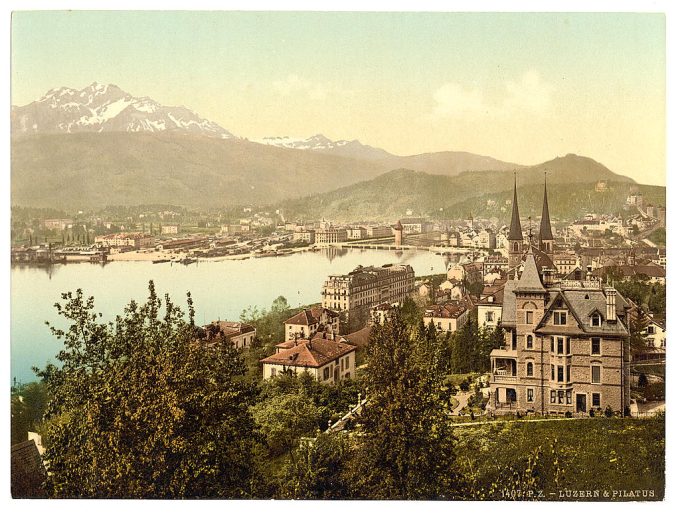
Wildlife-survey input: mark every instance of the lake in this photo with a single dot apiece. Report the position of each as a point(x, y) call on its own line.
point(220, 290)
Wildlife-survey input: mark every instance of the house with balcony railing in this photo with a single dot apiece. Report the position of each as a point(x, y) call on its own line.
point(567, 347)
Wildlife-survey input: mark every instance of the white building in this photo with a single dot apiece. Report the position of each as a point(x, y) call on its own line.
point(328, 361)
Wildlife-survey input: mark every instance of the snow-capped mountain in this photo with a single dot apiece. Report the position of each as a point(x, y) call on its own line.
point(106, 108)
point(320, 143)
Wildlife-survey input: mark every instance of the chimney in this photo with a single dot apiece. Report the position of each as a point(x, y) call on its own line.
point(610, 294)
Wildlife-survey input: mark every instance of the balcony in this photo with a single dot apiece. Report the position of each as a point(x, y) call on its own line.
point(501, 375)
point(504, 352)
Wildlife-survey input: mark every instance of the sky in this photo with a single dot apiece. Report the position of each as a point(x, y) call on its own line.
point(519, 87)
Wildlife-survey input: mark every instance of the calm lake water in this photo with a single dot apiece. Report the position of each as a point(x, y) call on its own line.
point(220, 290)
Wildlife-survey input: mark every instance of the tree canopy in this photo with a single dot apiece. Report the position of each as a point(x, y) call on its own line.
point(140, 409)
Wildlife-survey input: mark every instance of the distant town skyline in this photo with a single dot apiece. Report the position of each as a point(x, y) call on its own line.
point(520, 87)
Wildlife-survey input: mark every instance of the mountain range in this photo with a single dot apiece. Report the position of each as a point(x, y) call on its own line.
point(102, 146)
point(106, 108)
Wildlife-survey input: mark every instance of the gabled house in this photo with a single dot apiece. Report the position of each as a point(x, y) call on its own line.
point(567, 347)
point(310, 321)
point(327, 360)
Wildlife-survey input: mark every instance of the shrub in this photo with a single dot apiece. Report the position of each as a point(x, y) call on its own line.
point(608, 412)
point(655, 391)
point(642, 381)
point(568, 414)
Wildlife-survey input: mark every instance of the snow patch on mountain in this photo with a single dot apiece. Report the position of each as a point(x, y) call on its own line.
point(107, 108)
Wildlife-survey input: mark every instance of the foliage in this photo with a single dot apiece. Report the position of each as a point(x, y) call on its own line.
point(140, 409)
point(404, 450)
point(658, 236)
point(316, 472)
point(269, 323)
point(28, 404)
point(508, 460)
point(471, 347)
point(284, 418)
point(650, 297)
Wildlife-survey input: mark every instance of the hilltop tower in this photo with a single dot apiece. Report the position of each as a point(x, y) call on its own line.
point(515, 238)
point(545, 235)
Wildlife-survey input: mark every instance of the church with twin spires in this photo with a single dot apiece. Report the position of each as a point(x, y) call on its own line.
point(517, 251)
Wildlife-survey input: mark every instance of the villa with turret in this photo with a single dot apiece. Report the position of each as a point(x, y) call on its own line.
point(567, 346)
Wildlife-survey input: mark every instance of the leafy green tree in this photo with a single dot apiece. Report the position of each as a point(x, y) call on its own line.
point(284, 418)
point(317, 470)
point(28, 404)
point(140, 409)
point(465, 348)
point(405, 447)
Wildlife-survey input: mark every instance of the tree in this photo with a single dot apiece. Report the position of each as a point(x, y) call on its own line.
point(405, 448)
point(465, 348)
point(283, 419)
point(141, 409)
point(28, 405)
point(316, 471)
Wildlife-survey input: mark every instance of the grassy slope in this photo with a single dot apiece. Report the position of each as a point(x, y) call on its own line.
point(599, 453)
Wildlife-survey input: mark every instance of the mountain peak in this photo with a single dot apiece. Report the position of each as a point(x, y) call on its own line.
point(101, 107)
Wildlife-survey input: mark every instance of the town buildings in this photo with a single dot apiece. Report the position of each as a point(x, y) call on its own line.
point(328, 235)
point(449, 316)
point(327, 360)
point(310, 321)
point(135, 240)
point(240, 334)
point(354, 293)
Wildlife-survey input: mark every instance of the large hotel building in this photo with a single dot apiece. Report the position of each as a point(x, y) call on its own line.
point(353, 294)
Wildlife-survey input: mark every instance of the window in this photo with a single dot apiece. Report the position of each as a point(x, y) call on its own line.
point(596, 400)
point(650, 329)
point(568, 373)
point(530, 395)
point(560, 318)
point(568, 345)
point(595, 374)
point(326, 372)
point(347, 362)
point(552, 372)
point(272, 372)
point(568, 394)
point(596, 320)
point(530, 341)
point(560, 397)
point(595, 349)
point(530, 369)
point(553, 396)
point(530, 317)
point(552, 344)
point(489, 316)
point(560, 374)
point(560, 345)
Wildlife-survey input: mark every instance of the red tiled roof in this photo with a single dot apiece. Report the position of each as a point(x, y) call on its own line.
point(446, 310)
point(310, 353)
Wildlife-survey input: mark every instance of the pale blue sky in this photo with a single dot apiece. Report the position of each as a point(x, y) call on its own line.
point(519, 87)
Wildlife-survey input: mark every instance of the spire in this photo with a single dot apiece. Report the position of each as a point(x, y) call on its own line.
point(530, 279)
point(515, 227)
point(545, 233)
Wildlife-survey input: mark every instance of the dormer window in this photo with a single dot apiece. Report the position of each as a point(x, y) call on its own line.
point(596, 320)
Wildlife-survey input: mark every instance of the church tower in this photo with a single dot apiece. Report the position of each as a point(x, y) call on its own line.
point(545, 235)
point(515, 238)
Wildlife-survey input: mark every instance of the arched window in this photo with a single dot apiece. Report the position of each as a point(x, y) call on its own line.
point(530, 369)
point(530, 341)
point(515, 247)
